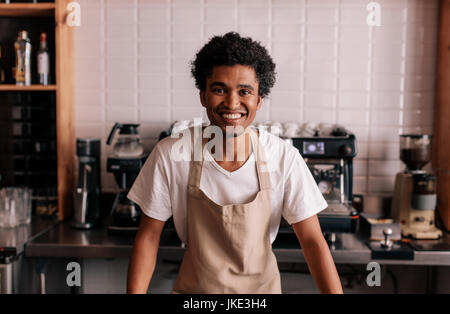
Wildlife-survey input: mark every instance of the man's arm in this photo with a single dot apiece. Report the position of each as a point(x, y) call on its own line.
point(143, 257)
point(317, 255)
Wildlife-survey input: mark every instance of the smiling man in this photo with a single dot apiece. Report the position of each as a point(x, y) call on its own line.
point(228, 209)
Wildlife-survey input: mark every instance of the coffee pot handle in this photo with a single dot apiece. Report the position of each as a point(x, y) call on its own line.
point(116, 126)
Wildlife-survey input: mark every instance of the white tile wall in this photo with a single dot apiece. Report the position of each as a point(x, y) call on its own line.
point(132, 65)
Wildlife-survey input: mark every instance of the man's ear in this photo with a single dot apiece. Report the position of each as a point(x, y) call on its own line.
point(259, 104)
point(203, 98)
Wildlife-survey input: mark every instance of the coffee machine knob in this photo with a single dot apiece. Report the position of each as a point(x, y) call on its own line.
point(345, 150)
point(387, 243)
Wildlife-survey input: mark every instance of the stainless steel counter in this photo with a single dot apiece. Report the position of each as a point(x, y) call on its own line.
point(64, 241)
point(13, 240)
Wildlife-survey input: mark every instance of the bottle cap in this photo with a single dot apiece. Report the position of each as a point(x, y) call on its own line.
point(43, 37)
point(23, 35)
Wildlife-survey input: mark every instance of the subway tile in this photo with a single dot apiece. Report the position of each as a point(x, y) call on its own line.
point(387, 65)
point(321, 33)
point(288, 3)
point(123, 48)
point(387, 100)
point(321, 15)
point(87, 49)
point(186, 15)
point(253, 15)
point(361, 132)
point(153, 49)
point(285, 99)
point(154, 114)
point(120, 31)
point(185, 49)
point(287, 53)
point(285, 115)
point(387, 82)
point(186, 32)
point(321, 66)
point(320, 100)
point(356, 65)
point(189, 98)
point(83, 97)
point(153, 98)
point(117, 80)
point(220, 3)
point(419, 101)
point(352, 33)
point(394, 16)
point(420, 66)
point(88, 80)
point(148, 81)
point(182, 82)
point(88, 130)
point(85, 65)
point(353, 82)
point(215, 15)
point(152, 130)
point(120, 15)
point(253, 3)
point(125, 98)
point(320, 116)
point(288, 82)
point(152, 3)
point(418, 118)
point(287, 32)
point(181, 66)
point(154, 32)
point(187, 113)
point(388, 50)
point(419, 83)
point(353, 100)
point(153, 15)
point(386, 117)
point(321, 50)
point(122, 114)
point(354, 49)
point(388, 34)
point(362, 149)
point(353, 15)
point(89, 114)
point(355, 117)
point(158, 65)
point(182, 3)
point(118, 66)
point(283, 15)
point(320, 83)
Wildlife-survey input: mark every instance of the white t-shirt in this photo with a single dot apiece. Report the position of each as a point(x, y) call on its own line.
point(160, 189)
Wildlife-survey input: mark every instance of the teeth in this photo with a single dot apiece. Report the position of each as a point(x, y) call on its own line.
point(231, 116)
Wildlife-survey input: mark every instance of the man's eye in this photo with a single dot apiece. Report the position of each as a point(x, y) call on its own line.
point(219, 90)
point(244, 92)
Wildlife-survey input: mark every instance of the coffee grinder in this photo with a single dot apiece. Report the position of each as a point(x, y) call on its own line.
point(87, 193)
point(125, 163)
point(414, 200)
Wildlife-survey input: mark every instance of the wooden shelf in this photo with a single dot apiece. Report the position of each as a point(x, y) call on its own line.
point(30, 88)
point(27, 9)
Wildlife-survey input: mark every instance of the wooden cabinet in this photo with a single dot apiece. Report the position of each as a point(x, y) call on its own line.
point(52, 16)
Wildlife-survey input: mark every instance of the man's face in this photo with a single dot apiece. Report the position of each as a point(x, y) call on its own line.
point(231, 96)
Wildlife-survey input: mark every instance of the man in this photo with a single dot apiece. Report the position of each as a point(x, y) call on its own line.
point(228, 203)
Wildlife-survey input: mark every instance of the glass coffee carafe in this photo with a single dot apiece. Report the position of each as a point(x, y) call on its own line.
point(415, 150)
point(128, 143)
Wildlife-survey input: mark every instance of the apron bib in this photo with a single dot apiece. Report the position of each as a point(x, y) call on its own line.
point(229, 249)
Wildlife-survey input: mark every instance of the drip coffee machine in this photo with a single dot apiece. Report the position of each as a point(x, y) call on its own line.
point(125, 163)
point(414, 200)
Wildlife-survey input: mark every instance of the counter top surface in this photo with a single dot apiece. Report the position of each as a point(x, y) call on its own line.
point(12, 240)
point(61, 240)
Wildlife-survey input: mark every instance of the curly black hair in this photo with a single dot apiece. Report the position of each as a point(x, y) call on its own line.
point(232, 49)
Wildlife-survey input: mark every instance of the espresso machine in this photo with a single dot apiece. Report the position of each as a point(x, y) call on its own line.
point(87, 193)
point(414, 200)
point(125, 162)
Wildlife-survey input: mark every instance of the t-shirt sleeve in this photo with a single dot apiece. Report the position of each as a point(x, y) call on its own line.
point(302, 197)
point(150, 190)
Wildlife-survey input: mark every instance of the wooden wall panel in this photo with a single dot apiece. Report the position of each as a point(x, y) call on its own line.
point(65, 109)
point(441, 149)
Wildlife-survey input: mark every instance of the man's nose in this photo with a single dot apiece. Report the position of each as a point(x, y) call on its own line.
point(232, 101)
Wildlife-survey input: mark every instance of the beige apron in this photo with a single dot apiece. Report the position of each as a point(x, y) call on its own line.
point(229, 249)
